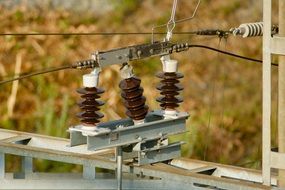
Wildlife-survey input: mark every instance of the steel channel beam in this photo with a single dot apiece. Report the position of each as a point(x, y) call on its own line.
point(163, 171)
point(221, 170)
point(169, 173)
point(157, 170)
point(159, 155)
point(92, 184)
point(73, 181)
point(139, 133)
point(56, 155)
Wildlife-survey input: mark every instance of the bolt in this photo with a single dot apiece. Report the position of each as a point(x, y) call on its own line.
point(139, 53)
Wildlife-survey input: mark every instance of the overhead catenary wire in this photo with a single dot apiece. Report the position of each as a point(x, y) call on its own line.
point(72, 66)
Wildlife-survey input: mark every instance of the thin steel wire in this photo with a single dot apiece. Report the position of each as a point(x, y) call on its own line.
point(36, 73)
point(171, 23)
point(92, 33)
point(223, 98)
point(172, 20)
point(211, 104)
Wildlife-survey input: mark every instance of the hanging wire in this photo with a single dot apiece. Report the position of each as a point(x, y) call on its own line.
point(211, 104)
point(50, 70)
point(229, 53)
point(223, 98)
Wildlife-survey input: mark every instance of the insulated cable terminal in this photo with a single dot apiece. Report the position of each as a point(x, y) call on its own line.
point(219, 33)
point(85, 64)
point(179, 47)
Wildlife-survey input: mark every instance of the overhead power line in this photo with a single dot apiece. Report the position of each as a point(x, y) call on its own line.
point(72, 66)
point(91, 33)
point(229, 53)
point(50, 70)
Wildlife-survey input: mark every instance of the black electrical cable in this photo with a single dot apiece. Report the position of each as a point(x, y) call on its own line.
point(228, 53)
point(36, 73)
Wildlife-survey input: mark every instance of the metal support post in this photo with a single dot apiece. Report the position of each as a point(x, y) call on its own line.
point(27, 165)
point(119, 167)
point(281, 93)
point(266, 94)
point(2, 165)
point(89, 172)
point(26, 168)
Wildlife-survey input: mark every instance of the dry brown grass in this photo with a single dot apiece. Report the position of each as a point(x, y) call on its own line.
point(224, 89)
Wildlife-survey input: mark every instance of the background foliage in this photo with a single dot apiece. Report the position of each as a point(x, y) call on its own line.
point(222, 94)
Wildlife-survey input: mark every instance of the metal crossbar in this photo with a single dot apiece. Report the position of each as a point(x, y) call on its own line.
point(192, 174)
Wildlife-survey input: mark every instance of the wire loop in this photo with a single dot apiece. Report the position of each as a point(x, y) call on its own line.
point(170, 25)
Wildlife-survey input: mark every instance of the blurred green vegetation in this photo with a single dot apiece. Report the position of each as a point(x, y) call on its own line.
point(222, 94)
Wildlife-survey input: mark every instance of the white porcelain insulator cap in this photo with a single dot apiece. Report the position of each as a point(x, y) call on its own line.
point(89, 128)
point(127, 71)
point(169, 65)
point(244, 28)
point(90, 80)
point(137, 122)
point(169, 114)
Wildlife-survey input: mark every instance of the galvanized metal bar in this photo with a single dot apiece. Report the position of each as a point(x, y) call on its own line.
point(168, 173)
point(277, 45)
point(77, 138)
point(278, 160)
point(119, 167)
point(222, 170)
point(266, 93)
point(203, 169)
point(97, 184)
point(281, 91)
point(89, 172)
point(68, 154)
point(132, 134)
point(2, 165)
point(26, 168)
point(17, 139)
point(158, 155)
point(57, 155)
point(27, 165)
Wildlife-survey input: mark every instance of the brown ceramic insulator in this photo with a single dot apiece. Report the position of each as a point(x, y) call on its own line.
point(89, 105)
point(133, 97)
point(169, 89)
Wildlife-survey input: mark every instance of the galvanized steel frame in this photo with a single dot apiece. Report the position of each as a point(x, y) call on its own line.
point(271, 45)
point(163, 176)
